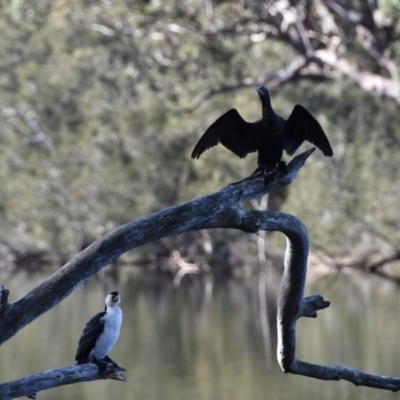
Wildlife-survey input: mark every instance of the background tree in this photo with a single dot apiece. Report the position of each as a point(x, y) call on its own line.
point(102, 103)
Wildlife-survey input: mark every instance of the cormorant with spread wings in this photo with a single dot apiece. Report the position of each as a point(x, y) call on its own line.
point(269, 135)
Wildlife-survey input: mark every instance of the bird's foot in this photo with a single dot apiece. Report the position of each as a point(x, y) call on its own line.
point(108, 360)
point(269, 176)
point(109, 372)
point(101, 365)
point(282, 167)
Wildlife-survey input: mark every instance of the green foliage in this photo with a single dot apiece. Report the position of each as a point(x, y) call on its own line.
point(345, 198)
point(91, 136)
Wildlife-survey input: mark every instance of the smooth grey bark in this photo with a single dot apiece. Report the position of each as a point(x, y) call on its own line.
point(30, 385)
point(218, 210)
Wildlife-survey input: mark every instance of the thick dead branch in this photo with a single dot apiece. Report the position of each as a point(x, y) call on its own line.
point(30, 385)
point(292, 305)
point(220, 209)
point(338, 372)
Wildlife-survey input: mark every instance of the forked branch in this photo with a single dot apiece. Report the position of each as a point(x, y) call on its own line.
point(218, 210)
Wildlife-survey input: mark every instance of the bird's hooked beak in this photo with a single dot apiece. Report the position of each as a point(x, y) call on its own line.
point(115, 298)
point(262, 92)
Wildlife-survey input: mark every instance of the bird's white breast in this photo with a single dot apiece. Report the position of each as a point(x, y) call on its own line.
point(109, 336)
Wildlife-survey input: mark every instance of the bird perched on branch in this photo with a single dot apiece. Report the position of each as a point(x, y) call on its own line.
point(269, 135)
point(100, 334)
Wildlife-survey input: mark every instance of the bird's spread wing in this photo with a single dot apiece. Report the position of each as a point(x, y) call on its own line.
point(232, 131)
point(92, 330)
point(300, 126)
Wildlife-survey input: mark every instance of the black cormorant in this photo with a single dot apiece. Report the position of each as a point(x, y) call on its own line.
point(100, 334)
point(269, 135)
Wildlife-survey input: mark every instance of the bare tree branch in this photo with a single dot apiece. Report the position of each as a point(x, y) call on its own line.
point(220, 209)
point(338, 372)
point(30, 385)
point(319, 39)
point(295, 70)
point(369, 82)
point(374, 267)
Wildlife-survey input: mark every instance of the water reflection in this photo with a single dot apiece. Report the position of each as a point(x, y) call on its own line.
point(212, 340)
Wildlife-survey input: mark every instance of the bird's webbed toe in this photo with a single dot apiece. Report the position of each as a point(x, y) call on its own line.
point(282, 167)
point(108, 359)
point(100, 364)
point(269, 176)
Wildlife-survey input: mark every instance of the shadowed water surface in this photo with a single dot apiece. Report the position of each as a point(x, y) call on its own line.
point(213, 341)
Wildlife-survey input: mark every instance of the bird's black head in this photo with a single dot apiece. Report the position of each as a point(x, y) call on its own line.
point(263, 93)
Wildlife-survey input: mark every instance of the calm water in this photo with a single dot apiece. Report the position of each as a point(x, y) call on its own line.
point(212, 341)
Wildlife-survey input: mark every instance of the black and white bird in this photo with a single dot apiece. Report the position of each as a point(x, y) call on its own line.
point(269, 135)
point(100, 334)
